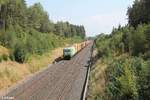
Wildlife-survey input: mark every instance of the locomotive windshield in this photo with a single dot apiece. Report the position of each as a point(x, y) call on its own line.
point(67, 50)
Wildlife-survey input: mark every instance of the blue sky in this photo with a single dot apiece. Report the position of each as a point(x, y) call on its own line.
point(98, 16)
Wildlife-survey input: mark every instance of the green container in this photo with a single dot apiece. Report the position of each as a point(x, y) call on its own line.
point(69, 52)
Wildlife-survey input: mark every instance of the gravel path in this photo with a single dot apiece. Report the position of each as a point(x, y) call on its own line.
point(61, 81)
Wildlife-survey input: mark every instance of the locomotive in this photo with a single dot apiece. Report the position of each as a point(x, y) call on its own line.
point(70, 51)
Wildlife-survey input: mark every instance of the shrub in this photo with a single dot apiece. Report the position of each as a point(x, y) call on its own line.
point(144, 81)
point(1, 59)
point(20, 53)
point(122, 83)
point(5, 57)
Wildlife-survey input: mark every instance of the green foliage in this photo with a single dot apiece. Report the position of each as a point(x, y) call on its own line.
point(1, 59)
point(125, 40)
point(17, 16)
point(4, 57)
point(20, 53)
point(128, 84)
point(8, 39)
point(102, 44)
point(69, 30)
point(144, 81)
point(39, 19)
point(128, 72)
point(128, 78)
point(139, 13)
point(139, 38)
point(28, 30)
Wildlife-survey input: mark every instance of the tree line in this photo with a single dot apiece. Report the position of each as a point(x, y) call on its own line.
point(15, 14)
point(28, 30)
point(126, 51)
point(139, 13)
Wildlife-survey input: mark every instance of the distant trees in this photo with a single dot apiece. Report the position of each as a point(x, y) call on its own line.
point(39, 19)
point(15, 14)
point(69, 30)
point(127, 40)
point(12, 13)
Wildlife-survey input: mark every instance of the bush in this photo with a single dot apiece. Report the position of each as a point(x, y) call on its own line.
point(129, 79)
point(8, 39)
point(22, 43)
point(1, 59)
point(5, 57)
point(122, 83)
point(20, 53)
point(144, 81)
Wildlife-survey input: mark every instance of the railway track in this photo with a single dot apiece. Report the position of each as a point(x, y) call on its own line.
point(62, 81)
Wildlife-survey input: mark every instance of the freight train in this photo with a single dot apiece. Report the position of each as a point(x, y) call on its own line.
point(70, 51)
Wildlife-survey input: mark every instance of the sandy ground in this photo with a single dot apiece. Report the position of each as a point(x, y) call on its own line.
point(12, 72)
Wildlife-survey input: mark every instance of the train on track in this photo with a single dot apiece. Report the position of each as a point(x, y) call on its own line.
point(70, 51)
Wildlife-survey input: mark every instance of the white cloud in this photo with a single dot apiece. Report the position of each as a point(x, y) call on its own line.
point(104, 23)
point(96, 24)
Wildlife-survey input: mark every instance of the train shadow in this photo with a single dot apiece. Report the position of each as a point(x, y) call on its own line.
point(60, 59)
point(57, 60)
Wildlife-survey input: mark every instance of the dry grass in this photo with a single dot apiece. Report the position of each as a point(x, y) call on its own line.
point(12, 72)
point(38, 62)
point(3, 51)
point(97, 80)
